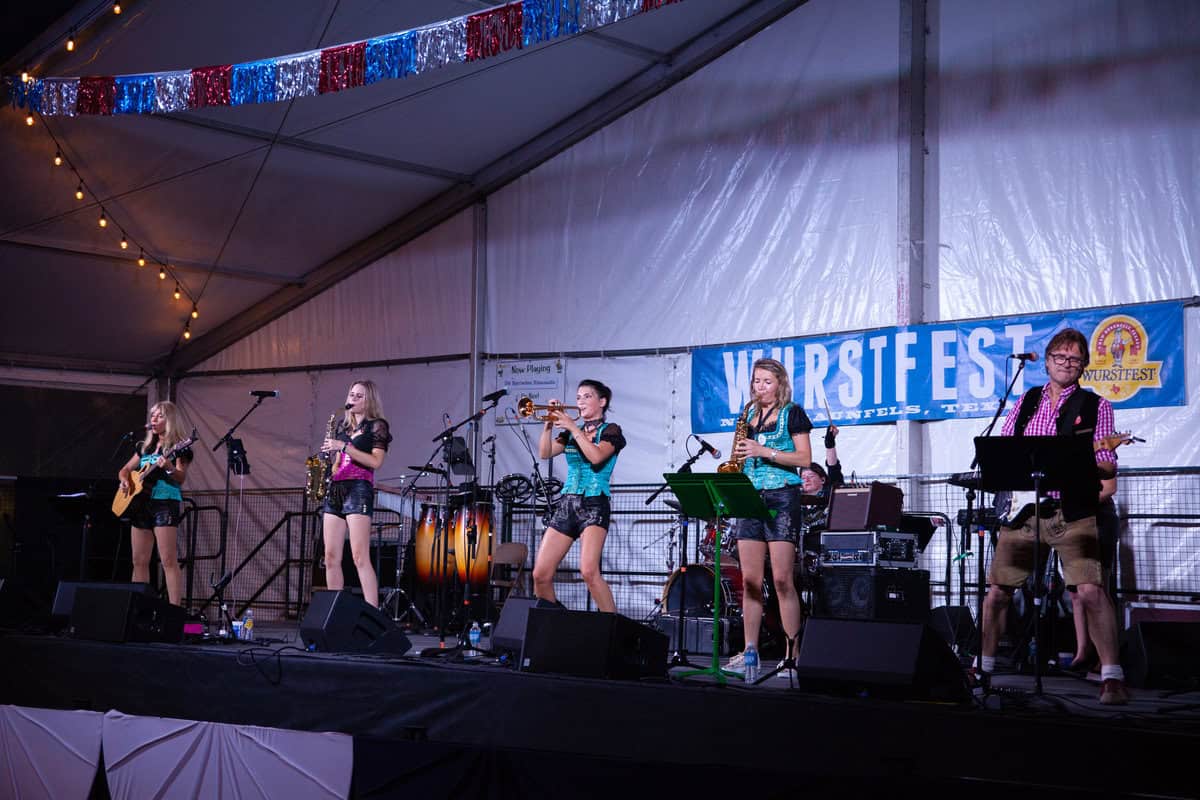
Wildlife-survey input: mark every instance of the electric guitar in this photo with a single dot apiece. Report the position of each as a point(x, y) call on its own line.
point(137, 480)
point(1014, 508)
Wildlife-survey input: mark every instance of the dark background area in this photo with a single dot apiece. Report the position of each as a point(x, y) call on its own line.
point(61, 443)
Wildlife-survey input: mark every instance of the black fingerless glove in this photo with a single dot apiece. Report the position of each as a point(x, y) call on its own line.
point(830, 439)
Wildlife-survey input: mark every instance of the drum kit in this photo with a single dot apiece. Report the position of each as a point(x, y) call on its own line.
point(691, 587)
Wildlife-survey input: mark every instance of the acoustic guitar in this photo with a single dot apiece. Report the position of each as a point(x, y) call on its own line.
point(1013, 508)
point(138, 480)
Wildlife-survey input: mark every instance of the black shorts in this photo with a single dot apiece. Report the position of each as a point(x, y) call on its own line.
point(780, 529)
point(155, 514)
point(350, 497)
point(574, 512)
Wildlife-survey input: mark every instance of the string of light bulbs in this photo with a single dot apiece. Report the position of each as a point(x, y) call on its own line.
point(71, 40)
point(127, 242)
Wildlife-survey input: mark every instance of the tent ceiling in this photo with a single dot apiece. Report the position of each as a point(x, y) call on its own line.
point(258, 208)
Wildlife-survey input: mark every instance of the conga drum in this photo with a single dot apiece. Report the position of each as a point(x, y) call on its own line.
point(473, 563)
point(428, 548)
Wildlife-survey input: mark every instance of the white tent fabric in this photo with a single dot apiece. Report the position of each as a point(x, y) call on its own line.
point(45, 753)
point(158, 757)
point(759, 199)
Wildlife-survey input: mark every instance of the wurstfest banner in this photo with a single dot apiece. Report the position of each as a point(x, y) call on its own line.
point(951, 370)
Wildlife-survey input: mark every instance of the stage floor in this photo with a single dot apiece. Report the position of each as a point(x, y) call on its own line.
point(688, 734)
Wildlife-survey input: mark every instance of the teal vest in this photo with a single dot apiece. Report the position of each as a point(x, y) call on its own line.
point(765, 474)
point(165, 489)
point(582, 477)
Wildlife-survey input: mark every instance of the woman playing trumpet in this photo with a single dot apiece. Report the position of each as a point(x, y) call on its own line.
point(583, 510)
point(775, 449)
point(358, 453)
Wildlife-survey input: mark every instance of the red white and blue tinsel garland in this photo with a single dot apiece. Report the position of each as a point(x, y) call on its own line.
point(468, 38)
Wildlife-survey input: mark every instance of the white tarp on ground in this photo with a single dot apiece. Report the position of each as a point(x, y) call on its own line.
point(47, 753)
point(160, 757)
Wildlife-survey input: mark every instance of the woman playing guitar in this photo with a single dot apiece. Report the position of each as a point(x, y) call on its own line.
point(156, 517)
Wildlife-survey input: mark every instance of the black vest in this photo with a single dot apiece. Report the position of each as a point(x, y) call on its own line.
point(1076, 417)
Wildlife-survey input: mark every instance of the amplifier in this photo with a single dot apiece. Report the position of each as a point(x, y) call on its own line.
point(869, 549)
point(859, 508)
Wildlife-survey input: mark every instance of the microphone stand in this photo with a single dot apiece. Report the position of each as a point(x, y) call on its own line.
point(678, 657)
point(227, 440)
point(444, 439)
point(981, 575)
point(490, 452)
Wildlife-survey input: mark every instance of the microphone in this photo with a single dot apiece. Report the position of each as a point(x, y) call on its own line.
point(147, 426)
point(264, 393)
point(494, 396)
point(1025, 356)
point(705, 447)
point(349, 406)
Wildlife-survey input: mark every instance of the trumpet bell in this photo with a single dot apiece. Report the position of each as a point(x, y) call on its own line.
point(528, 409)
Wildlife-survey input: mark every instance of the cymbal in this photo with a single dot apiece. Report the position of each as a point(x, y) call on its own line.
point(810, 500)
point(673, 504)
point(430, 470)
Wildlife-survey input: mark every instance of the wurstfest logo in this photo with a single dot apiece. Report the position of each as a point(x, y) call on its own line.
point(1119, 367)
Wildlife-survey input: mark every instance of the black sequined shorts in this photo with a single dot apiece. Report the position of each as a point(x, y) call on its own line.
point(574, 512)
point(155, 514)
point(350, 497)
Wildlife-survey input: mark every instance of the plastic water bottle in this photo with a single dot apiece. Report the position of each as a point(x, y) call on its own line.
point(248, 625)
point(751, 665)
point(474, 635)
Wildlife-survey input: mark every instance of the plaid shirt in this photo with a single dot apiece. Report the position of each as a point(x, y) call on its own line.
point(1044, 422)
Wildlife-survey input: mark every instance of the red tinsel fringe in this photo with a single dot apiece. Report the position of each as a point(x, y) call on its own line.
point(494, 32)
point(210, 86)
point(96, 95)
point(342, 67)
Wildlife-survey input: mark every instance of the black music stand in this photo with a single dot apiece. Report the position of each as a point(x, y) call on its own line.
point(679, 657)
point(1040, 463)
point(716, 495)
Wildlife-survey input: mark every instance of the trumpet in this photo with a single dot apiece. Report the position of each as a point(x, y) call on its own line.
point(528, 409)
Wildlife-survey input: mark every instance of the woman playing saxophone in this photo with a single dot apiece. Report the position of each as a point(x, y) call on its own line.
point(773, 450)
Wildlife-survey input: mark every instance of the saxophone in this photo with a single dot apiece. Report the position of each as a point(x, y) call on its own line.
point(735, 464)
point(320, 468)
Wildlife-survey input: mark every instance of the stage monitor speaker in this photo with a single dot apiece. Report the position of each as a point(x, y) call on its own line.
point(124, 614)
point(1163, 655)
point(899, 595)
point(956, 626)
point(905, 660)
point(864, 508)
point(64, 596)
point(342, 622)
point(592, 644)
point(509, 634)
point(698, 634)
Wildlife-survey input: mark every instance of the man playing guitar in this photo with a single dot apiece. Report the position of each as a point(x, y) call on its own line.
point(1062, 408)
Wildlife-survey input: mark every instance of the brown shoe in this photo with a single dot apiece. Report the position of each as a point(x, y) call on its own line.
point(1114, 693)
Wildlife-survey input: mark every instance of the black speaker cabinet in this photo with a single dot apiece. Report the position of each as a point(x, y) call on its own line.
point(509, 634)
point(864, 508)
point(906, 660)
point(1163, 655)
point(342, 622)
point(698, 634)
point(900, 595)
point(64, 596)
point(592, 644)
point(124, 614)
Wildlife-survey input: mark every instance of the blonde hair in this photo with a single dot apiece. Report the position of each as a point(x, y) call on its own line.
point(172, 430)
point(783, 386)
point(374, 405)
